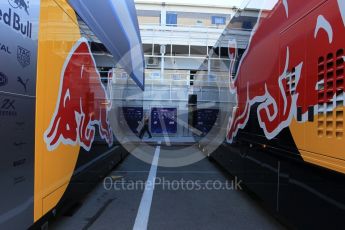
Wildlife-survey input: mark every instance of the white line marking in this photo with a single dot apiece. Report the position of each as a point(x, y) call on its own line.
point(173, 172)
point(142, 219)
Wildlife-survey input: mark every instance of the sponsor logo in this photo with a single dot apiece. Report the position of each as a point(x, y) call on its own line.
point(20, 123)
point(23, 56)
point(82, 104)
point(19, 143)
point(13, 20)
point(19, 162)
point(23, 83)
point(19, 179)
point(3, 79)
point(4, 48)
point(275, 98)
point(20, 126)
point(20, 4)
point(7, 108)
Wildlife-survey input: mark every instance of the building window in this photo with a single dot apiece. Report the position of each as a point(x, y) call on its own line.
point(199, 23)
point(247, 25)
point(124, 76)
point(218, 20)
point(171, 19)
point(155, 75)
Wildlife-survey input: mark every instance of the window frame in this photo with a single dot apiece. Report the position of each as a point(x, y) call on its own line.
point(214, 20)
point(168, 18)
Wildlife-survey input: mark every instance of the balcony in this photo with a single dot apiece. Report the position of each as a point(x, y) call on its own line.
point(196, 35)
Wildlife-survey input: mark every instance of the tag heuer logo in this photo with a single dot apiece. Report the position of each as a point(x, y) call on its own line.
point(23, 56)
point(20, 4)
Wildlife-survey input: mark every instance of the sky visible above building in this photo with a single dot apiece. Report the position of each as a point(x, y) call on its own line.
point(266, 4)
point(226, 3)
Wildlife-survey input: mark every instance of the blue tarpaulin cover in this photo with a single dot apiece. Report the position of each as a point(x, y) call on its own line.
point(115, 23)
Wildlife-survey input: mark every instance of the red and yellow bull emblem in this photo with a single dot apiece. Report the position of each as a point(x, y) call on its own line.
point(279, 94)
point(82, 103)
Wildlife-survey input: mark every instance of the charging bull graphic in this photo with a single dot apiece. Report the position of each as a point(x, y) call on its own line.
point(82, 104)
point(276, 88)
point(21, 4)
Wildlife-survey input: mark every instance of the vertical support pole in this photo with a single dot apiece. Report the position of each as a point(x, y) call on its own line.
point(208, 66)
point(162, 61)
point(163, 14)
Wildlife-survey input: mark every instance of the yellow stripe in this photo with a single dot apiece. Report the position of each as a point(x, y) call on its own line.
point(58, 32)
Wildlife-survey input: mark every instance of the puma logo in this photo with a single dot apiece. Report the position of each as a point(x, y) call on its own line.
point(24, 84)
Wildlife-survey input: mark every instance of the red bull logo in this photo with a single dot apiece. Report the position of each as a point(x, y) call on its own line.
point(278, 82)
point(82, 104)
point(21, 4)
point(15, 20)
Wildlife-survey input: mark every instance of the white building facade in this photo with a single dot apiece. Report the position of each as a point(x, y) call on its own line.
point(186, 65)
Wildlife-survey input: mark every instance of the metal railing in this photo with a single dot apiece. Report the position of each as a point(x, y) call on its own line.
point(170, 89)
point(190, 35)
point(182, 25)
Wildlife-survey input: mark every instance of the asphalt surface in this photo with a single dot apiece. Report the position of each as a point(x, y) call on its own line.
point(198, 196)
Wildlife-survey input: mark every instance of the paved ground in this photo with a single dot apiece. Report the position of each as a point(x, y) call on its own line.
point(180, 201)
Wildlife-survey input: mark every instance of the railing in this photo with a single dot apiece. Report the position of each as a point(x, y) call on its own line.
point(190, 34)
point(175, 34)
point(170, 78)
point(172, 26)
point(170, 89)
